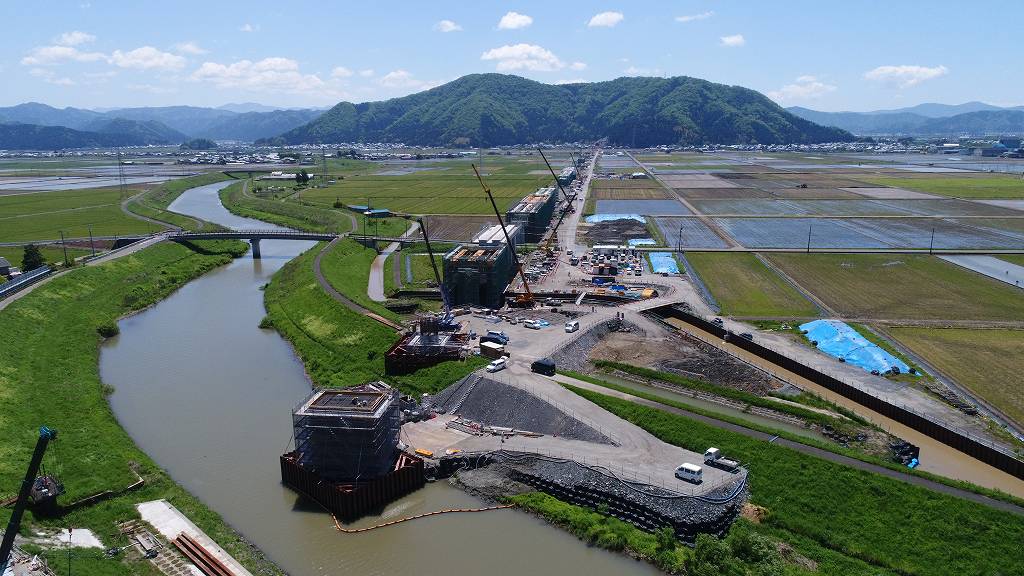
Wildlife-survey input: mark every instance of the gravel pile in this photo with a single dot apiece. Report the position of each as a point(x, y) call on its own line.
point(495, 404)
point(575, 354)
point(696, 359)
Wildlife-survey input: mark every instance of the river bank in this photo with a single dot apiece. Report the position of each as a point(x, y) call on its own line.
point(49, 374)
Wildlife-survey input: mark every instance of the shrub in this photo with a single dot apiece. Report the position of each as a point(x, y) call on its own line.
point(108, 329)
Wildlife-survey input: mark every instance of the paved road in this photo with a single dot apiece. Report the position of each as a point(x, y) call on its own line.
point(824, 454)
point(990, 266)
point(375, 286)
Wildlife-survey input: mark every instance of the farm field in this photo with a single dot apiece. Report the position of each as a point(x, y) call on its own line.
point(958, 186)
point(616, 189)
point(426, 194)
point(988, 362)
point(744, 286)
point(43, 215)
point(457, 227)
point(1017, 259)
point(893, 287)
point(53, 255)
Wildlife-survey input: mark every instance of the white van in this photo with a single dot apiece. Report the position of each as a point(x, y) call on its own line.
point(689, 472)
point(500, 364)
point(572, 325)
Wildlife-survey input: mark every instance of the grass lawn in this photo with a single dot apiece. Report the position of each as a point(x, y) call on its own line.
point(340, 347)
point(284, 213)
point(53, 255)
point(744, 286)
point(857, 515)
point(153, 203)
point(346, 266)
point(987, 362)
point(427, 192)
point(901, 286)
point(957, 186)
point(1017, 259)
point(49, 374)
point(43, 215)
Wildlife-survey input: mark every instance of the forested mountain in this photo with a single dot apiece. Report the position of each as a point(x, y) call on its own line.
point(14, 136)
point(144, 131)
point(496, 109)
point(182, 121)
point(977, 119)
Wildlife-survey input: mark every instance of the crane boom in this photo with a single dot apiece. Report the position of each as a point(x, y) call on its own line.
point(555, 176)
point(437, 273)
point(508, 241)
point(45, 435)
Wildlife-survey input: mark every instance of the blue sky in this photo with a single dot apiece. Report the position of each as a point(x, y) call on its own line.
point(827, 55)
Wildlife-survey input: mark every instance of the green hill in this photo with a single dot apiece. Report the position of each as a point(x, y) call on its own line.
point(497, 109)
point(35, 137)
point(138, 131)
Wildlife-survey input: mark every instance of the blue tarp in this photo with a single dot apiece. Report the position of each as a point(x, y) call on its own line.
point(838, 339)
point(607, 217)
point(663, 263)
point(641, 242)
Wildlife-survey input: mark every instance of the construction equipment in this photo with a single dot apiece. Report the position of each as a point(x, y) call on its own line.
point(447, 319)
point(568, 209)
point(41, 490)
point(522, 300)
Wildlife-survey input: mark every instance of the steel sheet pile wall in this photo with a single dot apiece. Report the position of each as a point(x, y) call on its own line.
point(986, 453)
point(350, 501)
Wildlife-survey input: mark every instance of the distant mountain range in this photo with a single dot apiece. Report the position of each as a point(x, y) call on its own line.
point(970, 119)
point(140, 126)
point(497, 109)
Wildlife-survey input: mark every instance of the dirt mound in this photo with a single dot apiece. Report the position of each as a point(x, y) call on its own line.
point(615, 231)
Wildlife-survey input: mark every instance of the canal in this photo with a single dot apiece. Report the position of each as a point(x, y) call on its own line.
point(208, 395)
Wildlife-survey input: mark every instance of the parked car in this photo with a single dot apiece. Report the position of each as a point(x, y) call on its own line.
point(689, 472)
point(572, 325)
point(545, 366)
point(497, 365)
point(498, 334)
point(748, 336)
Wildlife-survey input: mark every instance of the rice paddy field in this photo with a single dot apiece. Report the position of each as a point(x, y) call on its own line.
point(688, 233)
point(970, 186)
point(744, 286)
point(987, 362)
point(898, 287)
point(43, 215)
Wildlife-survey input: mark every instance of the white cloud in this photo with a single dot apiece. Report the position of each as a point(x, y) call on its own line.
point(152, 88)
point(340, 72)
point(571, 81)
point(695, 17)
point(46, 55)
point(734, 41)
point(513, 20)
point(447, 26)
point(523, 57)
point(635, 71)
point(805, 88)
point(74, 38)
point(249, 27)
point(190, 48)
point(605, 20)
point(51, 78)
point(404, 79)
point(367, 73)
point(147, 58)
point(578, 66)
point(906, 75)
point(267, 75)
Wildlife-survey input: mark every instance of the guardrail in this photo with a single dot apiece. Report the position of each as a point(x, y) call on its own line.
point(24, 281)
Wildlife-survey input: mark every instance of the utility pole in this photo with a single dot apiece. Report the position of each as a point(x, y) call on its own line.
point(65, 247)
point(679, 242)
point(92, 246)
point(809, 228)
point(931, 243)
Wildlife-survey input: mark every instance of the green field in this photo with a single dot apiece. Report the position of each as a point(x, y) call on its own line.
point(901, 286)
point(1017, 259)
point(954, 186)
point(987, 362)
point(49, 374)
point(284, 213)
point(857, 516)
point(153, 203)
point(340, 347)
point(427, 193)
point(43, 215)
point(744, 286)
point(346, 266)
point(52, 254)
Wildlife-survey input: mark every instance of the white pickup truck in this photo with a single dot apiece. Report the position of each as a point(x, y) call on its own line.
point(713, 457)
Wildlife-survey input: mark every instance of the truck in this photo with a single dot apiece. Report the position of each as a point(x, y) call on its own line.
point(713, 457)
point(492, 350)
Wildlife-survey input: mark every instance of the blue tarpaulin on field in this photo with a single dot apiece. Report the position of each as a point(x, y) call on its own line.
point(641, 242)
point(663, 263)
point(607, 217)
point(838, 339)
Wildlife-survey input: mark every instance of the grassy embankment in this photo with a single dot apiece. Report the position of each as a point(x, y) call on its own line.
point(338, 346)
point(51, 253)
point(957, 186)
point(49, 374)
point(853, 516)
point(44, 215)
point(901, 286)
point(283, 212)
point(153, 203)
point(1017, 259)
point(346, 266)
point(987, 362)
point(744, 286)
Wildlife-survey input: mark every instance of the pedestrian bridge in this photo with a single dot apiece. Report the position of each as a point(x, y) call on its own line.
point(253, 236)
